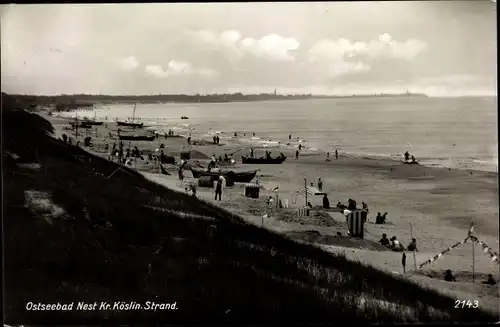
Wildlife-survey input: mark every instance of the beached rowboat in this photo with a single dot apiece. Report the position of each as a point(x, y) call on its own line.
point(136, 137)
point(277, 160)
point(92, 122)
point(129, 124)
point(240, 177)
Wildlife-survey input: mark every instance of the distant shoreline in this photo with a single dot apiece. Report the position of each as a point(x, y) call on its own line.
point(77, 101)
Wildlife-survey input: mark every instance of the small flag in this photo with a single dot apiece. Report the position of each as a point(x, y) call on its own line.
point(276, 188)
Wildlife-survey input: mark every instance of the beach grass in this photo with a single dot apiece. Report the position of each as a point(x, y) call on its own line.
point(109, 243)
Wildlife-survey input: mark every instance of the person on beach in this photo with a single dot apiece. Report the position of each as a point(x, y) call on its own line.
point(166, 136)
point(384, 240)
point(300, 146)
point(379, 219)
point(120, 156)
point(326, 202)
point(218, 188)
point(290, 136)
point(235, 134)
point(490, 280)
point(65, 138)
point(193, 189)
point(365, 206)
point(407, 156)
point(297, 155)
point(218, 140)
point(254, 134)
point(215, 140)
point(320, 184)
point(181, 173)
point(189, 139)
point(351, 204)
point(251, 152)
point(396, 245)
point(220, 159)
point(403, 262)
point(413, 159)
point(340, 206)
point(448, 276)
point(413, 245)
point(327, 156)
point(336, 155)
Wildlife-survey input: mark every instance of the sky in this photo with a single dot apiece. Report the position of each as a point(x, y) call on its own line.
point(441, 48)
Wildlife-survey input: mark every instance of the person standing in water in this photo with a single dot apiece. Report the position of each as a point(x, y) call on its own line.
point(297, 155)
point(320, 184)
point(336, 155)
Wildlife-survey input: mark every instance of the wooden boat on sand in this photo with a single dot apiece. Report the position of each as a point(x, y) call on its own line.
point(136, 137)
point(261, 161)
point(238, 177)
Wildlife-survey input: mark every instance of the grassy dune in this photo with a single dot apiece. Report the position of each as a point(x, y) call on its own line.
point(85, 237)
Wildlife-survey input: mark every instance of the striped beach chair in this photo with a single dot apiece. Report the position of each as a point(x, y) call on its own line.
point(355, 224)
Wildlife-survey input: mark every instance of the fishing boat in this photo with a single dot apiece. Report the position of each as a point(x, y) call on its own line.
point(93, 122)
point(261, 161)
point(238, 177)
point(81, 124)
point(131, 123)
point(137, 137)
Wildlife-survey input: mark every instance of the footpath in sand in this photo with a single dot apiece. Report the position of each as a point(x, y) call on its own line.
point(440, 203)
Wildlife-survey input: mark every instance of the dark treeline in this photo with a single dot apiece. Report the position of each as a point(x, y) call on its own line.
point(82, 100)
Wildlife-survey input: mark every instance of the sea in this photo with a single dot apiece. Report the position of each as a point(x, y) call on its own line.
point(445, 132)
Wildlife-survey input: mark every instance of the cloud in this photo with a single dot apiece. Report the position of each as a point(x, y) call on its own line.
point(177, 68)
point(341, 67)
point(343, 56)
point(383, 46)
point(272, 46)
point(129, 63)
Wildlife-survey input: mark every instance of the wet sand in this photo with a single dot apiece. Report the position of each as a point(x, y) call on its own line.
point(440, 204)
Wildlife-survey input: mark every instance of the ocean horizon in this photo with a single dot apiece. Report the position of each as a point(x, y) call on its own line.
point(444, 132)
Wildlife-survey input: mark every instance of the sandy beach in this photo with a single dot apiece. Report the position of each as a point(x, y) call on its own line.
point(440, 204)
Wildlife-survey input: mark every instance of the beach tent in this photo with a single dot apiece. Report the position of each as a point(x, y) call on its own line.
point(355, 223)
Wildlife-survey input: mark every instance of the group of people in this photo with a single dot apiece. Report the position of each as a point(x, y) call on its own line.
point(407, 157)
point(216, 139)
point(448, 276)
point(395, 245)
point(328, 156)
point(166, 135)
point(352, 205)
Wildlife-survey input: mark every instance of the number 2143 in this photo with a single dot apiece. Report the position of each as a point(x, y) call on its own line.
point(466, 304)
